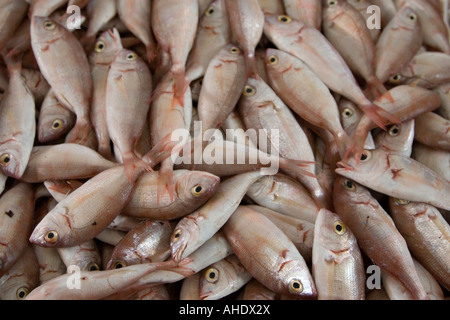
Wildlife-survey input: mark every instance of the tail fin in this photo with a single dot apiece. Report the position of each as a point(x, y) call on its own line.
point(378, 115)
point(161, 151)
point(165, 180)
point(298, 166)
point(355, 150)
point(13, 61)
point(134, 166)
point(250, 65)
point(180, 85)
point(377, 89)
point(80, 133)
point(151, 51)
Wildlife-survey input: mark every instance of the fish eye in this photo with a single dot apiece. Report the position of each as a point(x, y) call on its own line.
point(5, 159)
point(212, 275)
point(349, 185)
point(395, 78)
point(273, 60)
point(197, 190)
point(348, 113)
point(235, 50)
point(57, 124)
point(51, 237)
point(295, 286)
point(401, 202)
point(131, 56)
point(331, 2)
point(284, 18)
point(119, 264)
point(49, 25)
point(209, 11)
point(394, 130)
point(100, 46)
point(249, 91)
point(339, 227)
point(22, 292)
point(366, 156)
point(412, 17)
point(176, 235)
point(93, 267)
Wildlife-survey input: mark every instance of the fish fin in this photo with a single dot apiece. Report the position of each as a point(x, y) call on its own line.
point(378, 115)
point(165, 181)
point(377, 89)
point(80, 133)
point(181, 267)
point(13, 60)
point(180, 85)
point(250, 65)
point(134, 166)
point(161, 151)
point(151, 52)
point(298, 166)
point(356, 148)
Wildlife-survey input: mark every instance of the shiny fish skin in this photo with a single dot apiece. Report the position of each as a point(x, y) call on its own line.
point(277, 264)
point(16, 221)
point(436, 159)
point(71, 82)
point(307, 11)
point(12, 13)
point(427, 235)
point(86, 256)
point(337, 262)
point(433, 130)
point(376, 233)
point(397, 139)
point(50, 263)
point(362, 7)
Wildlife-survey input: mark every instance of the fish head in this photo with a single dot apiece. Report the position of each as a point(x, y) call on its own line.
point(213, 280)
point(107, 46)
point(281, 25)
point(214, 16)
point(197, 185)
point(333, 8)
point(185, 233)
point(332, 232)
point(369, 165)
point(53, 126)
point(45, 30)
point(408, 18)
point(278, 62)
point(256, 95)
point(52, 230)
point(125, 60)
point(346, 191)
point(13, 159)
point(297, 280)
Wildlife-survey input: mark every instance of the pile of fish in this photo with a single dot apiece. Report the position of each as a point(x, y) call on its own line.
point(350, 100)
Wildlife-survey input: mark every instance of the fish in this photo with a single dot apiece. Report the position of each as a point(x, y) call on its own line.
point(128, 91)
point(388, 10)
point(55, 120)
point(17, 122)
point(189, 288)
point(16, 221)
point(306, 11)
point(400, 177)
point(399, 41)
point(254, 290)
point(86, 256)
point(247, 23)
point(337, 261)
point(427, 235)
point(50, 263)
point(72, 83)
point(313, 48)
point(436, 159)
point(397, 139)
point(347, 31)
point(443, 92)
point(106, 47)
point(272, 7)
point(148, 242)
point(223, 278)
point(12, 14)
point(197, 227)
point(432, 130)
point(192, 190)
point(60, 189)
point(376, 233)
point(267, 253)
point(363, 6)
point(174, 25)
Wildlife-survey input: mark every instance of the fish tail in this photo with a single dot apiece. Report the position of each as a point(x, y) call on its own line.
point(151, 52)
point(377, 89)
point(134, 166)
point(378, 115)
point(165, 180)
point(250, 64)
point(161, 151)
point(355, 150)
point(180, 84)
point(80, 133)
point(13, 60)
point(298, 166)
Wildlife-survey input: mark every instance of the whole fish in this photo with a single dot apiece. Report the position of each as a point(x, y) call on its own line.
point(247, 23)
point(400, 177)
point(427, 234)
point(306, 11)
point(54, 119)
point(347, 31)
point(223, 278)
point(64, 161)
point(192, 190)
point(315, 104)
point(71, 82)
point(433, 130)
point(376, 233)
point(285, 195)
point(337, 262)
point(17, 122)
point(107, 46)
point(21, 278)
point(213, 33)
point(174, 25)
point(262, 110)
point(435, 32)
point(17, 206)
point(399, 41)
point(128, 92)
point(267, 253)
point(148, 242)
point(311, 46)
point(196, 228)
